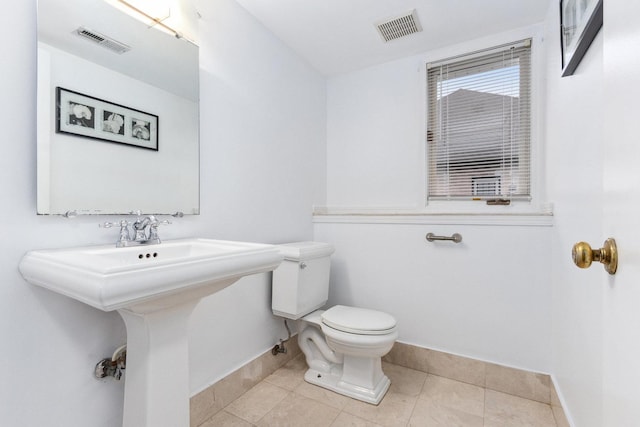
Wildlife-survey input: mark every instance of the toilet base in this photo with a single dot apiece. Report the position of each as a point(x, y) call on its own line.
point(333, 381)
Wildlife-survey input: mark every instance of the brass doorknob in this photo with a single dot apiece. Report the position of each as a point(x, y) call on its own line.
point(583, 255)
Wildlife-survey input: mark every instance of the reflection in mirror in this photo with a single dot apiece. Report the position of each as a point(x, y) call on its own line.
point(124, 135)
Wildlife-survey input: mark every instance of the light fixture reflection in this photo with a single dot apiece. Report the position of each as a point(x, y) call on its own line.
point(173, 17)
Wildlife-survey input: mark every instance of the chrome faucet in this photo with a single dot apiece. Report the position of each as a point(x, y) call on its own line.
point(140, 228)
point(150, 223)
point(145, 231)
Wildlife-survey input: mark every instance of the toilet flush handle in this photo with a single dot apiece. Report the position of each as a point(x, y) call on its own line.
point(583, 255)
point(303, 265)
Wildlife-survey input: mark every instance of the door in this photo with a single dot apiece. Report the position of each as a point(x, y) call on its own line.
point(621, 214)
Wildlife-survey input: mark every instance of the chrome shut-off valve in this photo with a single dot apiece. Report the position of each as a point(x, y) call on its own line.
point(114, 366)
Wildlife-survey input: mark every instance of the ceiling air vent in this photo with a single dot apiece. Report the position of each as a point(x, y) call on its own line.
point(400, 26)
point(102, 40)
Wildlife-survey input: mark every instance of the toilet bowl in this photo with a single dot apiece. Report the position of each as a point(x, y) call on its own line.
point(343, 346)
point(358, 331)
point(343, 358)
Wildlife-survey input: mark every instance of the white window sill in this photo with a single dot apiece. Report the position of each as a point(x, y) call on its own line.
point(402, 216)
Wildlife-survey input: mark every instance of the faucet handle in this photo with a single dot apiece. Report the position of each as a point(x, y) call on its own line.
point(154, 221)
point(153, 229)
point(124, 231)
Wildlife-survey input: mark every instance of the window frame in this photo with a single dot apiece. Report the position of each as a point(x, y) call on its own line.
point(465, 205)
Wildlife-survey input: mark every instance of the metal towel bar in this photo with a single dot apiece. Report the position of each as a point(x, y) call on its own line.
point(455, 237)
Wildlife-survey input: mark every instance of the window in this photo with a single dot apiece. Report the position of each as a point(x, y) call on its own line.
point(479, 125)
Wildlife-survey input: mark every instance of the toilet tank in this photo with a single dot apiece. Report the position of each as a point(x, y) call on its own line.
point(301, 282)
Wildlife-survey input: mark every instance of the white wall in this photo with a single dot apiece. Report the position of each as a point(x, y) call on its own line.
point(487, 298)
point(263, 168)
point(573, 161)
point(263, 116)
point(374, 134)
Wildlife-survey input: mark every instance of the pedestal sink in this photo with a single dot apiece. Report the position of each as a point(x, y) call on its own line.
point(154, 288)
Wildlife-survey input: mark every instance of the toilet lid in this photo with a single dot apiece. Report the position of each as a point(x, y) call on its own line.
point(358, 320)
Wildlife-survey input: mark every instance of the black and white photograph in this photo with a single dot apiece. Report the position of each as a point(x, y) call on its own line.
point(112, 122)
point(141, 129)
point(87, 116)
point(81, 115)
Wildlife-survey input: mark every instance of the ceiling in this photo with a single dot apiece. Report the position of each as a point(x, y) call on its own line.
point(337, 36)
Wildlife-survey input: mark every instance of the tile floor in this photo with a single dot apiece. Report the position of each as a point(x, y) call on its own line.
point(414, 399)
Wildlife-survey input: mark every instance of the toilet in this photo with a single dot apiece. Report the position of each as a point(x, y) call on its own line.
point(343, 345)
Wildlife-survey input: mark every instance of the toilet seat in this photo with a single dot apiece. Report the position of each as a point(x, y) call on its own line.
point(360, 321)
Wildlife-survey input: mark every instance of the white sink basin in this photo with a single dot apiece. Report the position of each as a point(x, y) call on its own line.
point(152, 277)
point(155, 289)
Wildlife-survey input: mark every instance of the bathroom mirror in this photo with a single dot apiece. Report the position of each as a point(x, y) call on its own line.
point(117, 131)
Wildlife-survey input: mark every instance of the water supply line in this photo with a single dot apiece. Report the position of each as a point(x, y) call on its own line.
point(280, 348)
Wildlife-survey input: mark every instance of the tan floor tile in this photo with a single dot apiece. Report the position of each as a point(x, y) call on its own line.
point(257, 402)
point(428, 413)
point(290, 375)
point(394, 410)
point(296, 410)
point(404, 380)
point(348, 420)
point(505, 410)
point(323, 395)
point(454, 394)
point(414, 399)
point(225, 419)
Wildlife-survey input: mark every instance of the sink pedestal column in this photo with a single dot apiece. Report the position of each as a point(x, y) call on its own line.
point(156, 391)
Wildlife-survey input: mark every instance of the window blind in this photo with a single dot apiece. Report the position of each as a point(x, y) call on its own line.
point(479, 125)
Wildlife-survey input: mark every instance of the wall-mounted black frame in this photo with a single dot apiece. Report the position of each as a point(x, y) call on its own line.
point(580, 21)
point(83, 115)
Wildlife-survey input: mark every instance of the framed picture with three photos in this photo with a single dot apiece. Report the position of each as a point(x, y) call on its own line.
point(84, 115)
